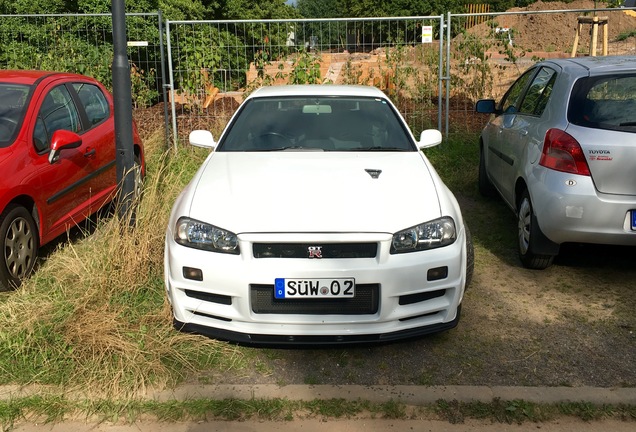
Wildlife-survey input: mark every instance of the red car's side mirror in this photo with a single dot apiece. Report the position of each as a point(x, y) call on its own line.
point(62, 140)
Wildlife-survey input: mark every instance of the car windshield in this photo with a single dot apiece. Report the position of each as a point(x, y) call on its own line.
point(316, 124)
point(12, 102)
point(605, 102)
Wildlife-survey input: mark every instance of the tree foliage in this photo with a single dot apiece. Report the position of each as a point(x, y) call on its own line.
point(374, 8)
point(248, 9)
point(172, 9)
point(319, 9)
point(396, 8)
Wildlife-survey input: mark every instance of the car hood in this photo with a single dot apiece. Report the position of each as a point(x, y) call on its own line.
point(314, 192)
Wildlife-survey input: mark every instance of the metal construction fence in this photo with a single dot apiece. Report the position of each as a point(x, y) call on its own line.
point(215, 64)
point(433, 67)
point(83, 43)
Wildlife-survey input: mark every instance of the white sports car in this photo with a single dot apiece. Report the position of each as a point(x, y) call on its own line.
point(316, 220)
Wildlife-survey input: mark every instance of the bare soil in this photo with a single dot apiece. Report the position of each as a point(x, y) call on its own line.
point(554, 32)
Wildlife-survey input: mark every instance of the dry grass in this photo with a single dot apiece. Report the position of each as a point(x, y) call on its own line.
point(94, 317)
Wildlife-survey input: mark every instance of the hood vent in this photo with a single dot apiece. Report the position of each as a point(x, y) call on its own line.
point(374, 173)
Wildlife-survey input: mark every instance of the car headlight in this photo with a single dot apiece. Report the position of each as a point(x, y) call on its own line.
point(429, 235)
point(200, 235)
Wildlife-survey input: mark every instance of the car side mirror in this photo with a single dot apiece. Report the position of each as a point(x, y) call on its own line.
point(202, 138)
point(63, 140)
point(430, 138)
point(486, 106)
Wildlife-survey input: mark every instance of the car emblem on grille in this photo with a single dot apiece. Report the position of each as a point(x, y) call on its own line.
point(314, 251)
point(374, 173)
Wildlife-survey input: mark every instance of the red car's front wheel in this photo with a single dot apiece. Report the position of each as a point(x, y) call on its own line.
point(19, 241)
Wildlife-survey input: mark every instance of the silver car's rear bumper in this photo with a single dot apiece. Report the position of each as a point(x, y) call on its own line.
point(570, 209)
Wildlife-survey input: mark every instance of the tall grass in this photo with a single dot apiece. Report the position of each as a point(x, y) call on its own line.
point(94, 316)
point(457, 161)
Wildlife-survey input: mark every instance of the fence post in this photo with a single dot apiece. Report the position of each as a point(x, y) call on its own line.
point(123, 114)
point(163, 79)
point(171, 87)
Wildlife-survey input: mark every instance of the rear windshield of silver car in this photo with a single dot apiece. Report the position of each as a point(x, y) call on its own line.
point(605, 102)
point(13, 99)
point(317, 123)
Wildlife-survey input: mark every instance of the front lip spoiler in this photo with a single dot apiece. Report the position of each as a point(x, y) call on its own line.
point(303, 340)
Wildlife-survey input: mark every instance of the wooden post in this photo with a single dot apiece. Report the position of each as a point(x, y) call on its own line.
point(595, 22)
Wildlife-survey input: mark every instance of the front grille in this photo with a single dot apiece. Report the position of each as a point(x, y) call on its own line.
point(365, 302)
point(325, 250)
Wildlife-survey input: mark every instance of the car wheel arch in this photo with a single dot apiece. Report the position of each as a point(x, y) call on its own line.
point(137, 150)
point(485, 185)
point(520, 188)
point(28, 203)
point(540, 250)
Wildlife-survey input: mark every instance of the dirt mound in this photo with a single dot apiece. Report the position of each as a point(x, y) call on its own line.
point(554, 32)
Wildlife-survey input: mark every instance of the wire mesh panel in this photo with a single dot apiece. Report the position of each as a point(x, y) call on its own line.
point(216, 64)
point(486, 57)
point(84, 44)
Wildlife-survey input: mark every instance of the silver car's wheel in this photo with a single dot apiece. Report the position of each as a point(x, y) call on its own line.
point(19, 237)
point(528, 232)
point(524, 220)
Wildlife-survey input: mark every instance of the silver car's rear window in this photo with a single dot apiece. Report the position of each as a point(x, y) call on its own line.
point(605, 102)
point(319, 123)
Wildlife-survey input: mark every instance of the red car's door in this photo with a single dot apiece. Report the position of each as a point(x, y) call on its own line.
point(99, 138)
point(76, 184)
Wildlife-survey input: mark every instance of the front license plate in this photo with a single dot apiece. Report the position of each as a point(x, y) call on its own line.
point(633, 220)
point(314, 288)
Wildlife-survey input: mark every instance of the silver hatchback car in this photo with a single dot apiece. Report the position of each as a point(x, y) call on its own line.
point(560, 148)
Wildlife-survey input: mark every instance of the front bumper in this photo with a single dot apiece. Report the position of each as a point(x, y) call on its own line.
point(408, 303)
point(296, 340)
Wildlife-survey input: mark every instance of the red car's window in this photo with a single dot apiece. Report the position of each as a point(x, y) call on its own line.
point(12, 100)
point(57, 112)
point(94, 102)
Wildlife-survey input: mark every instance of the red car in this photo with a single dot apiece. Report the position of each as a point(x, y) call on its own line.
point(57, 159)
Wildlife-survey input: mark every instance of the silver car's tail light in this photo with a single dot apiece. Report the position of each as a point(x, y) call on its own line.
point(561, 152)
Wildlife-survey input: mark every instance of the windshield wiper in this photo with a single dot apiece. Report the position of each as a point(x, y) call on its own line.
point(295, 147)
point(382, 148)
